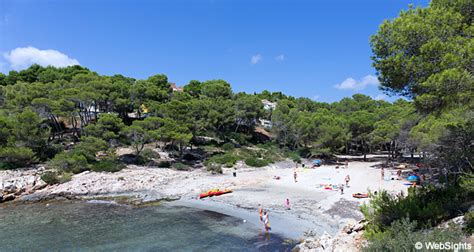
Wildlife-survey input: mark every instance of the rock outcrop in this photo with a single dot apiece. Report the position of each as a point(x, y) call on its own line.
point(349, 238)
point(19, 182)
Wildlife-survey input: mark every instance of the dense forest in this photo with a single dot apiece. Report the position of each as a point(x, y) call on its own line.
point(67, 115)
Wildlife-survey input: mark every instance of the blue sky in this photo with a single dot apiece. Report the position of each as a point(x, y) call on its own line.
point(315, 49)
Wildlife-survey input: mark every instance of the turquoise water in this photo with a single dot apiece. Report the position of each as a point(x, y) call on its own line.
point(86, 226)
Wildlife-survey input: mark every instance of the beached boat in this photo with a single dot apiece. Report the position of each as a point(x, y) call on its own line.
point(360, 195)
point(214, 192)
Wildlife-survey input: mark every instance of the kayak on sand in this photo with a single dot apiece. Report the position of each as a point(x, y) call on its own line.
point(214, 192)
point(360, 195)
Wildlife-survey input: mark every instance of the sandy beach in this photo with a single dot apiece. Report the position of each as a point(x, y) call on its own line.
point(313, 208)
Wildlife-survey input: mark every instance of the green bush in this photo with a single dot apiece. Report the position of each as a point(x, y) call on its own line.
point(164, 164)
point(214, 168)
point(149, 154)
point(401, 236)
point(294, 156)
point(180, 166)
point(50, 178)
point(227, 159)
point(69, 162)
point(107, 165)
point(426, 206)
point(256, 162)
point(228, 147)
point(469, 218)
point(15, 157)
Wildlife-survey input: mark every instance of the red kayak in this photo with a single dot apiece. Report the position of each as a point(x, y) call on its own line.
point(214, 192)
point(360, 195)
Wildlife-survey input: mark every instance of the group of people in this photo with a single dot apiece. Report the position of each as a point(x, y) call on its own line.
point(341, 186)
point(263, 214)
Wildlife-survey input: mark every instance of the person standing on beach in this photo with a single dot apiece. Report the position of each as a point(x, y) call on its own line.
point(287, 204)
point(295, 176)
point(382, 173)
point(260, 212)
point(266, 221)
point(347, 180)
point(341, 187)
point(347, 164)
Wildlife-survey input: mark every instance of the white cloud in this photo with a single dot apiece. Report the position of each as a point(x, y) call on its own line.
point(280, 58)
point(380, 97)
point(351, 84)
point(314, 98)
point(255, 59)
point(23, 57)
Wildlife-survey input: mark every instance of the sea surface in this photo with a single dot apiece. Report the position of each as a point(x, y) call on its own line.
point(103, 226)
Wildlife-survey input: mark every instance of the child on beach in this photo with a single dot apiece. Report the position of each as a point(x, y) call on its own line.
point(287, 204)
point(347, 180)
point(266, 221)
point(260, 212)
point(341, 187)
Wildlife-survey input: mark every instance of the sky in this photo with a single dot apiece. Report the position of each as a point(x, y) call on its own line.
point(315, 49)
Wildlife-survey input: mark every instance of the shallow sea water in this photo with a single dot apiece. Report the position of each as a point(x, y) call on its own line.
point(101, 226)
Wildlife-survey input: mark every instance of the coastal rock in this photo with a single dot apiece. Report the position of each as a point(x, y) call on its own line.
point(8, 197)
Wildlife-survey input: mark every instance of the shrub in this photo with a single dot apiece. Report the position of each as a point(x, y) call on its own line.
point(294, 156)
point(107, 165)
point(50, 178)
point(469, 218)
point(14, 157)
point(53, 177)
point(256, 162)
point(180, 166)
point(164, 164)
point(214, 168)
point(228, 146)
point(401, 236)
point(427, 206)
point(149, 154)
point(69, 162)
point(226, 159)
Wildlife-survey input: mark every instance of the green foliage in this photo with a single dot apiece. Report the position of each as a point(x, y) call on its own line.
point(469, 218)
point(426, 53)
point(88, 147)
point(402, 236)
point(294, 156)
point(427, 206)
point(107, 165)
point(228, 147)
point(256, 162)
point(69, 162)
point(50, 177)
point(149, 154)
point(227, 159)
point(214, 168)
point(108, 127)
point(13, 157)
point(180, 166)
point(164, 164)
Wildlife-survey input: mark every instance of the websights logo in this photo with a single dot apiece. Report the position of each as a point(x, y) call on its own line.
point(456, 246)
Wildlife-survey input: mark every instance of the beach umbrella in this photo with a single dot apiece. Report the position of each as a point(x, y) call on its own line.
point(413, 178)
